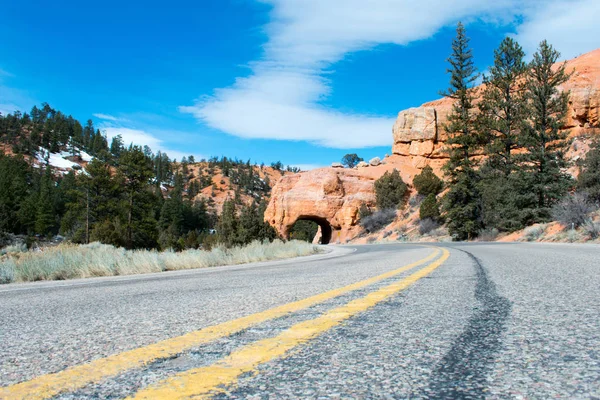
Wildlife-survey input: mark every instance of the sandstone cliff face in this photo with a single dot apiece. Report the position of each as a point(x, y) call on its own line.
point(419, 132)
point(333, 196)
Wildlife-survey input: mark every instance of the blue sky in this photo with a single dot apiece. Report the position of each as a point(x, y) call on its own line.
point(301, 81)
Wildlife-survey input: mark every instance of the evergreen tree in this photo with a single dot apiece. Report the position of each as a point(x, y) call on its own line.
point(427, 182)
point(351, 160)
point(227, 227)
point(429, 208)
point(588, 180)
point(504, 106)
point(390, 191)
point(503, 110)
point(136, 168)
point(543, 163)
point(45, 219)
point(462, 203)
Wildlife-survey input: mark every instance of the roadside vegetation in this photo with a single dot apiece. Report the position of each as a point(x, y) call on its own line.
point(68, 261)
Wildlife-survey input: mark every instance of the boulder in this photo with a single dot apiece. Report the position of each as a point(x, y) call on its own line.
point(418, 123)
point(336, 165)
point(362, 164)
point(375, 161)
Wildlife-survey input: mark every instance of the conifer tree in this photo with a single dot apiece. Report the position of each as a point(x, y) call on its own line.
point(503, 110)
point(543, 163)
point(588, 180)
point(45, 215)
point(462, 203)
point(137, 171)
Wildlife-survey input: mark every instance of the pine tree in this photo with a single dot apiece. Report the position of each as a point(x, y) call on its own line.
point(427, 182)
point(588, 180)
point(429, 208)
point(462, 203)
point(503, 110)
point(137, 171)
point(543, 163)
point(45, 216)
point(390, 190)
point(227, 227)
point(504, 106)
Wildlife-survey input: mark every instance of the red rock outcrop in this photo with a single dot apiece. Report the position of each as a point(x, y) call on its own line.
point(332, 196)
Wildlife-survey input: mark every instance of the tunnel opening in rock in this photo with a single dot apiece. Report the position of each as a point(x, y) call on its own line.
point(305, 228)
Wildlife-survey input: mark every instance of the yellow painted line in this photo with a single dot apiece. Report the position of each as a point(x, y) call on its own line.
point(202, 382)
point(76, 377)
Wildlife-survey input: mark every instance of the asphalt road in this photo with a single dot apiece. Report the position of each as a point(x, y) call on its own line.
point(381, 321)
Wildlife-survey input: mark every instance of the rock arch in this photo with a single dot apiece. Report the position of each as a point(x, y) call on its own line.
point(324, 234)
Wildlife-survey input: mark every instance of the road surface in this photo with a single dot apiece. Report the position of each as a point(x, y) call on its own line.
point(481, 320)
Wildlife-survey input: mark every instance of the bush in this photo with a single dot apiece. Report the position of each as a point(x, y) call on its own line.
point(588, 180)
point(532, 233)
point(427, 182)
point(390, 190)
point(573, 210)
point(378, 220)
point(416, 200)
point(429, 208)
point(427, 225)
point(592, 229)
point(95, 259)
point(488, 234)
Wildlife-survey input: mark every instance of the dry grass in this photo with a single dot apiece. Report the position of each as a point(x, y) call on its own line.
point(72, 261)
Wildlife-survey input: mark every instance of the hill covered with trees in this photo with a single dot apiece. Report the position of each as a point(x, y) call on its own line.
point(58, 176)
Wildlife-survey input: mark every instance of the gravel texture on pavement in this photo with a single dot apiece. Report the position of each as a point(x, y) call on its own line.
point(494, 321)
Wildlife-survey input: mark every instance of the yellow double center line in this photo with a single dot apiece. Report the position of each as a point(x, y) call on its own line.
point(242, 360)
point(202, 382)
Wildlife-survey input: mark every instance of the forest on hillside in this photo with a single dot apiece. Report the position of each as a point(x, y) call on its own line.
point(118, 194)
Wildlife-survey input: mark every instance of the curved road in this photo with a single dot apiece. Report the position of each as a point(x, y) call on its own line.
point(481, 320)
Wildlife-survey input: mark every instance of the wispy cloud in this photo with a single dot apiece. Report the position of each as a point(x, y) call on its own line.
point(144, 138)
point(280, 99)
point(106, 117)
point(572, 27)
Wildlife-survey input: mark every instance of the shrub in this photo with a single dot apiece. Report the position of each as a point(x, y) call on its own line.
point(532, 233)
point(378, 220)
point(429, 208)
point(573, 236)
point(7, 271)
point(573, 210)
point(588, 180)
point(415, 200)
point(427, 225)
point(390, 190)
point(592, 229)
point(15, 248)
point(488, 234)
point(364, 211)
point(427, 182)
point(95, 259)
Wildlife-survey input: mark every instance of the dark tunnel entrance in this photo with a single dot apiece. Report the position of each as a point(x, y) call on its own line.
point(305, 228)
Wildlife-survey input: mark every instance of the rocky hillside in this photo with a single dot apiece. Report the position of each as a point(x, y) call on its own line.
point(332, 196)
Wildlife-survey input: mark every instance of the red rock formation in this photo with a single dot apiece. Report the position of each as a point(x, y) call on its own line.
point(333, 196)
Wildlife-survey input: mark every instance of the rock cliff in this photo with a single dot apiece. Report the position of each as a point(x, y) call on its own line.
point(332, 196)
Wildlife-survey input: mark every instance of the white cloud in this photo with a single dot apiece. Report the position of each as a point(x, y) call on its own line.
point(280, 99)
point(143, 138)
point(106, 117)
point(8, 108)
point(572, 27)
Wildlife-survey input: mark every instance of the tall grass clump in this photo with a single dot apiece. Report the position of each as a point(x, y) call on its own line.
point(71, 261)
